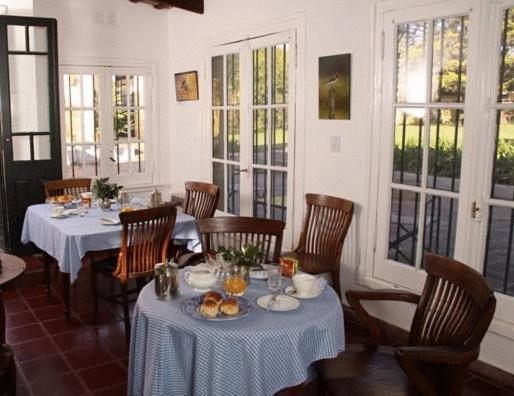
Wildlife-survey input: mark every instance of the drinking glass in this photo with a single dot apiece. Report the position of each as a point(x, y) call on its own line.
point(274, 279)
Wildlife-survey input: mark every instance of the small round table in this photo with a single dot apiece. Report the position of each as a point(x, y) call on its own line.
point(172, 353)
point(12, 269)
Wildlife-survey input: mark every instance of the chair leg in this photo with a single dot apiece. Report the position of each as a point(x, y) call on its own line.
point(126, 315)
point(94, 292)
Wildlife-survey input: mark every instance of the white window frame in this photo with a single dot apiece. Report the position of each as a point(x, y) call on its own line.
point(106, 69)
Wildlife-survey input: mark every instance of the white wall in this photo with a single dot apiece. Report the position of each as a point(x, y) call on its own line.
point(119, 31)
point(17, 7)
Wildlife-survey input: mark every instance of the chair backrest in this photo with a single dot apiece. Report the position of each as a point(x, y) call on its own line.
point(456, 306)
point(325, 226)
point(54, 188)
point(144, 241)
point(201, 199)
point(236, 232)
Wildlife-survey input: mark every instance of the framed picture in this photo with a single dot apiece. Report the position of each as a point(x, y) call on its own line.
point(186, 86)
point(334, 87)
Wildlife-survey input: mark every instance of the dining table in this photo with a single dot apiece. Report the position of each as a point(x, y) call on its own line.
point(173, 352)
point(68, 239)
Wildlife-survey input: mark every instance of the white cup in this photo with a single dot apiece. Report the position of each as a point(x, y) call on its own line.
point(57, 211)
point(304, 283)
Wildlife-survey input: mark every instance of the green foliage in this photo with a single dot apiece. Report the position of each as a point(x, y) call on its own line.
point(105, 190)
point(248, 256)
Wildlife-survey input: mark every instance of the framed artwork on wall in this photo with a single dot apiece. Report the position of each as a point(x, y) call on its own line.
point(334, 87)
point(186, 86)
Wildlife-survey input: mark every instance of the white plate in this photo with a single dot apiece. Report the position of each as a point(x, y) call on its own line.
point(283, 303)
point(68, 212)
point(261, 274)
point(61, 216)
point(112, 222)
point(315, 292)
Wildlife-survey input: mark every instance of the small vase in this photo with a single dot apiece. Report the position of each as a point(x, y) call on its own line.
point(105, 204)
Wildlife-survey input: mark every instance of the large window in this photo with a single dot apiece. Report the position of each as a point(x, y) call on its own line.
point(106, 123)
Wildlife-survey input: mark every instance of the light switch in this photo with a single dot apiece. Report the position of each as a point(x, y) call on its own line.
point(335, 144)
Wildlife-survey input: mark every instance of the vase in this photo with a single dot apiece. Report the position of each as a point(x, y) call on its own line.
point(105, 204)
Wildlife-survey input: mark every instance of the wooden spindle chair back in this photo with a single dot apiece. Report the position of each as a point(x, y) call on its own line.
point(201, 199)
point(54, 188)
point(144, 242)
point(236, 232)
point(455, 308)
point(325, 226)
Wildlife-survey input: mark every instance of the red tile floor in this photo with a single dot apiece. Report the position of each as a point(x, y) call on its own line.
point(56, 357)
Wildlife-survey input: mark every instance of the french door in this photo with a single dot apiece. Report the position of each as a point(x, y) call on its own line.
point(446, 181)
point(251, 119)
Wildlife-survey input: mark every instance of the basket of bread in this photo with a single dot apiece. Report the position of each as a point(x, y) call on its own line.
point(213, 306)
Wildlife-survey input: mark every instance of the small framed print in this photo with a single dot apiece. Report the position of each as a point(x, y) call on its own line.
point(186, 86)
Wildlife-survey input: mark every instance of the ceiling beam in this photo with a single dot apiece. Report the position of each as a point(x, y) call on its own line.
point(189, 5)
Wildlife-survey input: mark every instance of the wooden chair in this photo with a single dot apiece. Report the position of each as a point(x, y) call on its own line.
point(452, 316)
point(201, 199)
point(144, 243)
point(55, 188)
point(325, 226)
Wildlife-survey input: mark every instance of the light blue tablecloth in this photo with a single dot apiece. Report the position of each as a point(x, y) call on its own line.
point(172, 353)
point(69, 239)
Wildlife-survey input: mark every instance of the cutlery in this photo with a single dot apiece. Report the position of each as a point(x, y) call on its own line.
point(272, 301)
point(109, 220)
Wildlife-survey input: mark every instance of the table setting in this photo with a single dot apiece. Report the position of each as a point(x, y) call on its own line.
point(220, 328)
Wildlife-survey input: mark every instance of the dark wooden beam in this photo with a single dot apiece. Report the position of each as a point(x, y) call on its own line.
point(195, 6)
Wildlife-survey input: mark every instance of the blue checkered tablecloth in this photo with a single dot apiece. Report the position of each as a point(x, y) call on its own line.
point(69, 239)
point(172, 353)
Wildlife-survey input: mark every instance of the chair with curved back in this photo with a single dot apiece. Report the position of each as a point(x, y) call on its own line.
point(145, 237)
point(201, 199)
point(325, 226)
point(54, 188)
point(452, 316)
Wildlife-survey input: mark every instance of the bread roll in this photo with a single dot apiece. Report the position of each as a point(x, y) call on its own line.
point(213, 296)
point(209, 308)
point(229, 307)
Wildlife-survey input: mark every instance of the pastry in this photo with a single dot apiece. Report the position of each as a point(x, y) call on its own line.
point(209, 308)
point(229, 307)
point(213, 296)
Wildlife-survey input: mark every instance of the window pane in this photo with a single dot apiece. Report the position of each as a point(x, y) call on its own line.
point(260, 138)
point(91, 160)
point(120, 124)
point(88, 90)
point(218, 178)
point(260, 192)
point(139, 124)
point(132, 121)
point(76, 126)
point(21, 148)
point(217, 80)
point(75, 90)
point(38, 39)
point(233, 79)
point(16, 38)
point(119, 91)
point(260, 76)
point(89, 126)
point(233, 189)
point(137, 156)
point(233, 138)
point(411, 62)
point(66, 89)
point(503, 170)
point(121, 156)
point(279, 67)
point(450, 50)
point(278, 195)
point(42, 147)
point(499, 257)
point(279, 137)
point(28, 83)
point(506, 91)
point(217, 134)
point(75, 158)
point(403, 226)
point(445, 153)
point(408, 146)
point(440, 225)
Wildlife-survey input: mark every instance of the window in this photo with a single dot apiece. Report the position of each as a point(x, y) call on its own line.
point(106, 123)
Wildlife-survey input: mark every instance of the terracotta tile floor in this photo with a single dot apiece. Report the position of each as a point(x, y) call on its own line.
point(74, 357)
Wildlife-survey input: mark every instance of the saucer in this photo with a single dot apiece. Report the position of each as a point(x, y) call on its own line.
point(110, 222)
point(316, 292)
point(61, 216)
point(282, 304)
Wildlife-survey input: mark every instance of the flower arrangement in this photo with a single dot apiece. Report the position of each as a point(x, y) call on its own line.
point(105, 190)
point(249, 256)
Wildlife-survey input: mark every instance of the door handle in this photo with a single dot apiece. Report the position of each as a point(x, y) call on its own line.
point(244, 170)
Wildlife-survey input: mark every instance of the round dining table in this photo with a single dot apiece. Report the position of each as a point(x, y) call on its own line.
point(173, 353)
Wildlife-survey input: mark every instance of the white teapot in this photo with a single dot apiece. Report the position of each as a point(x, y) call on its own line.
point(201, 277)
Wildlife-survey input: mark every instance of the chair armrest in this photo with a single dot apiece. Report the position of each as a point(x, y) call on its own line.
point(354, 298)
point(190, 259)
point(436, 354)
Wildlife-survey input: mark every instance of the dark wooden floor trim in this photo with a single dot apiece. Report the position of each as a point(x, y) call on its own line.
point(399, 336)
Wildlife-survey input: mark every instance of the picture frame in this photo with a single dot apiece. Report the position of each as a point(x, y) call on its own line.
point(334, 87)
point(186, 86)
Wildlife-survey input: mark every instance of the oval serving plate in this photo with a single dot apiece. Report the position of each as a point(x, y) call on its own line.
point(191, 307)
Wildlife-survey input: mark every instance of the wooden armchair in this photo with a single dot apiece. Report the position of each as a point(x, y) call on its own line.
point(144, 243)
point(325, 226)
point(236, 232)
point(201, 199)
point(452, 316)
point(55, 188)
